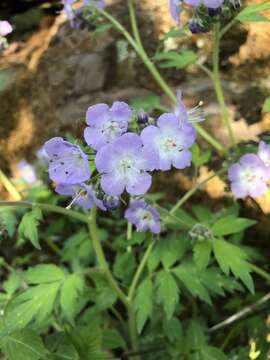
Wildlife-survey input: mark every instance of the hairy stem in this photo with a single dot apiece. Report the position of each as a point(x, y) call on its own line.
point(140, 271)
point(46, 207)
point(154, 72)
point(101, 257)
point(111, 280)
point(217, 83)
point(262, 273)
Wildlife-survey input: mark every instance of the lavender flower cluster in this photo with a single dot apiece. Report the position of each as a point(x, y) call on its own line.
point(124, 159)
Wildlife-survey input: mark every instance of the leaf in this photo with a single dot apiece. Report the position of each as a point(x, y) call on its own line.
point(103, 28)
point(24, 344)
point(202, 213)
point(171, 249)
point(232, 258)
point(230, 225)
point(174, 33)
point(212, 353)
point(124, 265)
point(12, 283)
point(266, 105)
point(111, 339)
point(202, 254)
point(71, 289)
point(167, 292)
point(146, 103)
point(34, 304)
point(175, 59)
point(44, 273)
point(28, 226)
point(195, 337)
point(144, 301)
point(253, 13)
point(8, 220)
point(187, 274)
point(199, 158)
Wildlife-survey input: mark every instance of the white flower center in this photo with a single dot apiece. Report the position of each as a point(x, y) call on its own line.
point(168, 144)
point(112, 129)
point(145, 216)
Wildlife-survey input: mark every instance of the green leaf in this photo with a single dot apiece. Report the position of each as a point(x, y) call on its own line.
point(199, 158)
point(202, 254)
point(232, 258)
point(266, 105)
point(230, 225)
point(174, 33)
point(34, 304)
point(111, 339)
point(146, 103)
point(124, 265)
point(167, 292)
point(28, 226)
point(187, 274)
point(12, 283)
point(175, 59)
point(144, 303)
point(71, 290)
point(8, 220)
point(44, 273)
point(24, 344)
point(253, 13)
point(103, 28)
point(202, 213)
point(212, 353)
point(195, 337)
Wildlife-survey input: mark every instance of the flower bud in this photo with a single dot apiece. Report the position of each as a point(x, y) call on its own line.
point(142, 117)
point(111, 202)
point(196, 27)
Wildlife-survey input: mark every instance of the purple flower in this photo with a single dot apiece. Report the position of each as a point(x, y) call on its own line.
point(170, 141)
point(111, 202)
point(68, 163)
point(5, 28)
point(143, 216)
point(27, 172)
point(124, 165)
point(264, 154)
point(212, 4)
point(106, 124)
point(82, 195)
point(175, 10)
point(184, 115)
point(248, 177)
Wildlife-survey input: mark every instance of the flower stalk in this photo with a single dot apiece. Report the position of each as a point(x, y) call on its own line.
point(217, 83)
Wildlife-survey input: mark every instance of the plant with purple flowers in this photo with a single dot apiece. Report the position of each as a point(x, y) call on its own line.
point(121, 272)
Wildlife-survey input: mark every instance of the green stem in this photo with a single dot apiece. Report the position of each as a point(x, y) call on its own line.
point(134, 24)
point(9, 186)
point(46, 207)
point(155, 73)
point(217, 83)
point(101, 257)
point(264, 274)
point(227, 27)
point(113, 283)
point(133, 332)
point(140, 270)
point(193, 190)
